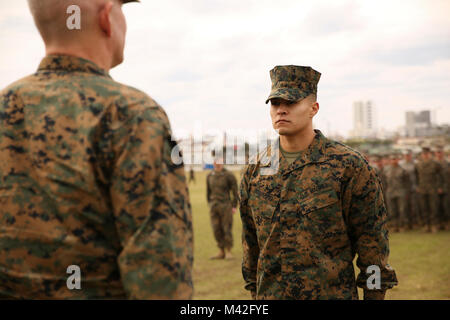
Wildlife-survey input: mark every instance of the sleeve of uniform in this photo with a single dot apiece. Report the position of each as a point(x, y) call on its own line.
point(151, 207)
point(249, 239)
point(234, 190)
point(368, 232)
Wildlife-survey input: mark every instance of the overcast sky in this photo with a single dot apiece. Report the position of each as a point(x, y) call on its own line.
point(209, 60)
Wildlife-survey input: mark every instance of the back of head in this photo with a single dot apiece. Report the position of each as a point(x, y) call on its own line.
point(99, 33)
point(50, 17)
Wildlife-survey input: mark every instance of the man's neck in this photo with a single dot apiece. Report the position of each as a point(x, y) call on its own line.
point(100, 57)
point(298, 142)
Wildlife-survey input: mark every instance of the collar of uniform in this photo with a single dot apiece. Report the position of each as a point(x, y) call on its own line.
point(315, 153)
point(70, 64)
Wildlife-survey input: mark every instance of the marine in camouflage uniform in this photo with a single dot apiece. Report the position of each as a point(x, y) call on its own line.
point(86, 179)
point(398, 184)
point(381, 173)
point(304, 223)
point(412, 203)
point(443, 189)
point(429, 176)
point(220, 184)
point(191, 175)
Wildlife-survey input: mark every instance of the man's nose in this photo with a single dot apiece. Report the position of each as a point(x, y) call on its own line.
point(282, 109)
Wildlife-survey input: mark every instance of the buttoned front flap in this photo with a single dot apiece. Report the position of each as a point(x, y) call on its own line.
point(313, 227)
point(313, 234)
point(318, 200)
point(321, 217)
point(322, 211)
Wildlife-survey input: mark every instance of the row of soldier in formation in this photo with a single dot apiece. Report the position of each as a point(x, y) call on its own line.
point(415, 189)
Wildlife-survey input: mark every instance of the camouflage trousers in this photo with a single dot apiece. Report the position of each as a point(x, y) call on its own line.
point(428, 207)
point(413, 210)
point(397, 213)
point(222, 223)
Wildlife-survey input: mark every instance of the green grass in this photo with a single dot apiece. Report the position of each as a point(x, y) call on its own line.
point(421, 260)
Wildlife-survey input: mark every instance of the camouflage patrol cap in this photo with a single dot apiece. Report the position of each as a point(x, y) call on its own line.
point(293, 83)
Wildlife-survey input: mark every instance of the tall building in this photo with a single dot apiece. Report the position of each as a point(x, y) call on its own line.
point(363, 119)
point(418, 124)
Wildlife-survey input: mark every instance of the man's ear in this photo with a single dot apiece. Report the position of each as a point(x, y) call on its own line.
point(105, 20)
point(314, 109)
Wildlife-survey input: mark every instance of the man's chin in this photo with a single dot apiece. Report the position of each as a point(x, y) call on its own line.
point(283, 132)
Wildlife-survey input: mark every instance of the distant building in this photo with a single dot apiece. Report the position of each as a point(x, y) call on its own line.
point(363, 120)
point(418, 124)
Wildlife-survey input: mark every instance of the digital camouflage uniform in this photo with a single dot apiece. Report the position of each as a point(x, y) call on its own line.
point(412, 203)
point(444, 184)
point(86, 179)
point(304, 223)
point(398, 184)
point(303, 226)
point(219, 186)
point(428, 181)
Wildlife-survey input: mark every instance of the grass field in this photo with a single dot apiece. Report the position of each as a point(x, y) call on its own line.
point(421, 260)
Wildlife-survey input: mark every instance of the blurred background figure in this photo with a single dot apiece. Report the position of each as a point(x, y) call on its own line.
point(412, 203)
point(379, 166)
point(398, 184)
point(443, 189)
point(428, 186)
point(191, 175)
point(220, 184)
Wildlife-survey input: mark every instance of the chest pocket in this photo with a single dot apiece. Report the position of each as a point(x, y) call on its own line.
point(264, 199)
point(322, 207)
point(319, 200)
